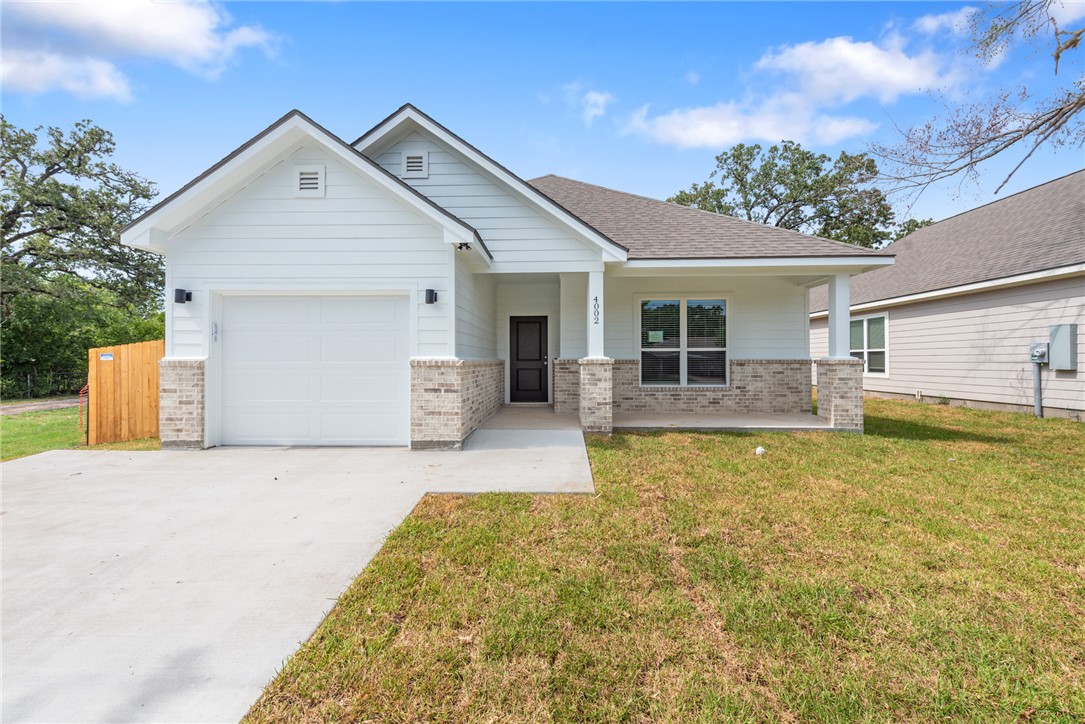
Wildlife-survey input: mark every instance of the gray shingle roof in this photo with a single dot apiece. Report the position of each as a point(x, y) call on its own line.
point(653, 229)
point(1041, 228)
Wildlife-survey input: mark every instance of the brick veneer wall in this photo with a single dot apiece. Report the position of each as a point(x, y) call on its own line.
point(181, 392)
point(840, 393)
point(596, 395)
point(451, 398)
point(566, 386)
point(756, 386)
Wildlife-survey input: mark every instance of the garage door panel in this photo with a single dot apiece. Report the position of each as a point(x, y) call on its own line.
point(386, 312)
point(247, 386)
point(375, 348)
point(342, 429)
point(254, 347)
point(336, 373)
point(266, 311)
point(266, 427)
point(375, 386)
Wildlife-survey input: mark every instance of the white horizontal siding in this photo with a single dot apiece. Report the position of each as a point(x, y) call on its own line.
point(766, 319)
point(513, 230)
point(975, 347)
point(516, 299)
point(263, 238)
point(476, 312)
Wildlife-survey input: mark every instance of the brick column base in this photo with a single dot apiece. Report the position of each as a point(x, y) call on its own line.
point(450, 398)
point(181, 391)
point(566, 386)
point(840, 393)
point(596, 395)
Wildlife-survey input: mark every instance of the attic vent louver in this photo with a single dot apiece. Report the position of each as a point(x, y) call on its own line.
point(416, 165)
point(309, 180)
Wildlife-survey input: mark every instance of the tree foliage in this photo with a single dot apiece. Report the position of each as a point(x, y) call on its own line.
point(67, 282)
point(910, 225)
point(45, 337)
point(62, 205)
point(793, 188)
point(961, 138)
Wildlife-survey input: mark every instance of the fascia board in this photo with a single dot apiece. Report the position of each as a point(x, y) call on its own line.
point(520, 187)
point(961, 289)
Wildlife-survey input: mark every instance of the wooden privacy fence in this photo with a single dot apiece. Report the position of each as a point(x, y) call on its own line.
point(123, 391)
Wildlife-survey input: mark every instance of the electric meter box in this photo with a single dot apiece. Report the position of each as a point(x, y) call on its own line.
point(1037, 352)
point(1062, 347)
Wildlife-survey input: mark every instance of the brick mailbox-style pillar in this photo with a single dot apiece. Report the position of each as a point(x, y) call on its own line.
point(840, 393)
point(596, 395)
point(181, 386)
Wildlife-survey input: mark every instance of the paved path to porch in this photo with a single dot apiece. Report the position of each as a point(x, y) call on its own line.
point(725, 422)
point(171, 586)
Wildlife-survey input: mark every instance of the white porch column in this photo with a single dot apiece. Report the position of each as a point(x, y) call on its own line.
point(595, 315)
point(839, 317)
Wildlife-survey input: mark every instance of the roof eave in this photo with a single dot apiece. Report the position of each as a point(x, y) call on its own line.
point(204, 187)
point(613, 251)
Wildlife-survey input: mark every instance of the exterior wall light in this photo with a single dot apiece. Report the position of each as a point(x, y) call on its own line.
point(180, 296)
point(431, 296)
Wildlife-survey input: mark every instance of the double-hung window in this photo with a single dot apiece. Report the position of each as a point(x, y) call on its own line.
point(868, 343)
point(683, 341)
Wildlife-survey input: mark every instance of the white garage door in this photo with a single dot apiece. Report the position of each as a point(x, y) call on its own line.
point(315, 370)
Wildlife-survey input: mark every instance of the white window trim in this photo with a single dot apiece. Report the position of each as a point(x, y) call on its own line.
point(682, 349)
point(866, 348)
point(319, 191)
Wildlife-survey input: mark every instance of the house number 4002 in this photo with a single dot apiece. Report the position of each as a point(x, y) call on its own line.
point(595, 310)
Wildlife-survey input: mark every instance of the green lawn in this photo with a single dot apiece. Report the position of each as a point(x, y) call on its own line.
point(30, 433)
point(931, 569)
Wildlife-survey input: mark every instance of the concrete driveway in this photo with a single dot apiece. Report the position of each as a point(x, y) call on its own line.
point(171, 586)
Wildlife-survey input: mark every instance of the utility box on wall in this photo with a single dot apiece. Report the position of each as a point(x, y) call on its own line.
point(1062, 347)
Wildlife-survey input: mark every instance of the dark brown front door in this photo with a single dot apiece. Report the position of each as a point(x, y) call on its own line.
point(529, 367)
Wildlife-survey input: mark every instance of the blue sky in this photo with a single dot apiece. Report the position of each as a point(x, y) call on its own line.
point(639, 97)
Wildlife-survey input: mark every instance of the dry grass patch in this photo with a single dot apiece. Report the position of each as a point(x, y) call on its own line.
point(930, 569)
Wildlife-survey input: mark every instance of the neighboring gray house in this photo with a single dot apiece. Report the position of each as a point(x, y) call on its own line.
point(400, 289)
point(953, 318)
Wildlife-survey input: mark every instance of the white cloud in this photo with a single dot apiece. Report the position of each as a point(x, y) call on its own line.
point(728, 123)
point(591, 104)
point(954, 21)
point(840, 70)
point(38, 72)
point(595, 105)
point(1067, 11)
point(693, 77)
point(812, 82)
point(87, 38)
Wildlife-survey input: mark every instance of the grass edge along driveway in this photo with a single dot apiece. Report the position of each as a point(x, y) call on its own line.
point(933, 568)
point(29, 433)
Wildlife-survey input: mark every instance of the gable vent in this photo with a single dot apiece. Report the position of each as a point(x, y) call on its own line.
point(309, 180)
point(416, 165)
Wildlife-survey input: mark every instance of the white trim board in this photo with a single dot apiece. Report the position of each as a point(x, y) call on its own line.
point(1045, 275)
point(389, 128)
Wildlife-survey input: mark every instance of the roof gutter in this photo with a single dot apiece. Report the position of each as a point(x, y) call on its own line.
point(988, 285)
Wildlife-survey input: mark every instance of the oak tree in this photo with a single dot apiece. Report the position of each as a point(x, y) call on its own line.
point(793, 188)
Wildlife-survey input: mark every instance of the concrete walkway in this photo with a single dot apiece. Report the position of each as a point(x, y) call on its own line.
point(171, 586)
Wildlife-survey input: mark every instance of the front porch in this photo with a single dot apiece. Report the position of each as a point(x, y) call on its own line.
point(531, 421)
